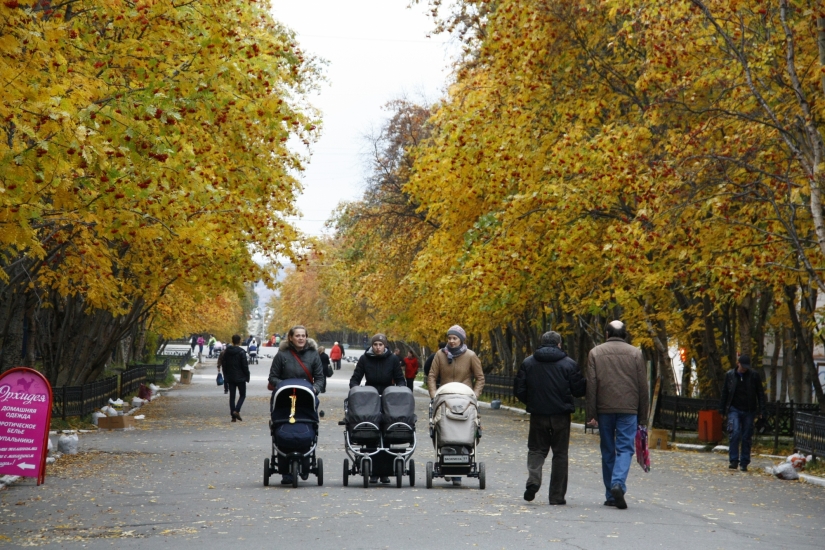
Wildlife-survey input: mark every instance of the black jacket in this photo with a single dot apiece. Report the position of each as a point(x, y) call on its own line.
point(380, 371)
point(548, 381)
point(285, 366)
point(234, 365)
point(754, 391)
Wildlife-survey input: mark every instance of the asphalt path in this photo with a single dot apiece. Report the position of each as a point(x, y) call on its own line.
point(190, 477)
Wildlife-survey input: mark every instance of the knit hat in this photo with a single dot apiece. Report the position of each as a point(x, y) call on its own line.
point(456, 330)
point(379, 338)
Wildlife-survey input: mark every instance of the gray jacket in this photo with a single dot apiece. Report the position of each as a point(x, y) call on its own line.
point(286, 366)
point(616, 381)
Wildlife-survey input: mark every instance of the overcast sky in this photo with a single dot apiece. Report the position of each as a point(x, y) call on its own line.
point(377, 50)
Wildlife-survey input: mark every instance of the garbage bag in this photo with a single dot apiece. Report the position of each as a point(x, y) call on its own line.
point(96, 415)
point(785, 471)
point(67, 444)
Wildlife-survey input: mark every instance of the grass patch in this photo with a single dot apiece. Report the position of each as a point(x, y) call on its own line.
point(816, 468)
point(72, 423)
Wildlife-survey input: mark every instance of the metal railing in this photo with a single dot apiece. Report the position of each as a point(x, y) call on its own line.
point(87, 398)
point(809, 433)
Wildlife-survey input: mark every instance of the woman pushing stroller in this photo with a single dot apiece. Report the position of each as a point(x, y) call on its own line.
point(381, 368)
point(297, 357)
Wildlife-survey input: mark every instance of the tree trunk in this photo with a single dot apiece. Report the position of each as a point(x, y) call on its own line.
point(777, 347)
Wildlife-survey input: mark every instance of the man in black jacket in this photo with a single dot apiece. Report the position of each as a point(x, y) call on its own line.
point(236, 375)
point(547, 382)
point(743, 397)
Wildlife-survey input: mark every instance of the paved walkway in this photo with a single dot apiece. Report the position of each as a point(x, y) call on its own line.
point(190, 477)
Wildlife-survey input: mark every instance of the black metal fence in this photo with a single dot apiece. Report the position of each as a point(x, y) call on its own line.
point(809, 433)
point(85, 399)
point(682, 414)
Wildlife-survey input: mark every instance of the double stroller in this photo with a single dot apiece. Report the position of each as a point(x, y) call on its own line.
point(455, 430)
point(294, 428)
point(380, 434)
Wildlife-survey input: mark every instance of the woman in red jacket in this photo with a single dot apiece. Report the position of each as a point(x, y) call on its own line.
point(410, 368)
point(335, 355)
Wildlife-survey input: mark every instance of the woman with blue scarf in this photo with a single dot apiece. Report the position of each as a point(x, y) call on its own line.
point(456, 363)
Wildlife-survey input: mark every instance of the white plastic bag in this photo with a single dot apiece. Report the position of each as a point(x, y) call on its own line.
point(137, 402)
point(785, 471)
point(140, 417)
point(67, 444)
point(96, 415)
point(117, 403)
point(154, 388)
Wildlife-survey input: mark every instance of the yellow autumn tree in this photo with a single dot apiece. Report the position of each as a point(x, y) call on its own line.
point(144, 147)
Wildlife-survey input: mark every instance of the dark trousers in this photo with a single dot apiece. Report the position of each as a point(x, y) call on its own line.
point(740, 427)
point(241, 387)
point(549, 432)
point(410, 382)
point(337, 363)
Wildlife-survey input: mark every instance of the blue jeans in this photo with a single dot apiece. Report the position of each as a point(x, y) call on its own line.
point(740, 426)
point(618, 444)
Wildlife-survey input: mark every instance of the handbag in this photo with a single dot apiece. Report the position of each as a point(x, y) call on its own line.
point(220, 378)
point(328, 370)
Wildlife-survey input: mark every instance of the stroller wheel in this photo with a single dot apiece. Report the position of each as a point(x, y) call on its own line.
point(320, 473)
point(365, 470)
point(266, 472)
point(346, 472)
point(482, 477)
point(429, 475)
point(399, 472)
point(412, 473)
point(293, 469)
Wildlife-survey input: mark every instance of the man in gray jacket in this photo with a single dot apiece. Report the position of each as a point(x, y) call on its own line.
point(617, 402)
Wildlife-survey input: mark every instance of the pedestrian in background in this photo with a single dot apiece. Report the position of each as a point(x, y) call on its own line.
point(201, 342)
point(220, 364)
point(410, 368)
point(236, 375)
point(211, 345)
point(325, 364)
point(743, 398)
point(617, 395)
point(546, 383)
point(335, 355)
point(193, 341)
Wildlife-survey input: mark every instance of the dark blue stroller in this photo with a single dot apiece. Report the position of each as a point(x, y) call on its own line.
point(294, 428)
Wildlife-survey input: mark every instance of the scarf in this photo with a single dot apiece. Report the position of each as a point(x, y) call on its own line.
point(453, 352)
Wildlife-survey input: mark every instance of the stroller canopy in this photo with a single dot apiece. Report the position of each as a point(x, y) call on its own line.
point(363, 405)
point(306, 405)
point(455, 387)
point(398, 405)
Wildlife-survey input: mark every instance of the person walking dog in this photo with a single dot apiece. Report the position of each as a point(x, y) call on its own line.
point(743, 398)
point(617, 402)
point(547, 382)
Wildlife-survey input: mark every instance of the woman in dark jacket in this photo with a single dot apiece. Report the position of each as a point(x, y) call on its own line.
point(379, 366)
point(297, 357)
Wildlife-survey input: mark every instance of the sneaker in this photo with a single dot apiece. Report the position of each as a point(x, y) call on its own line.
point(733, 465)
point(530, 492)
point(286, 479)
point(618, 496)
point(561, 502)
point(610, 503)
point(744, 467)
point(385, 479)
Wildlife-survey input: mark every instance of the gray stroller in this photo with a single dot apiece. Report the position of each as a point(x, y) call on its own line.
point(455, 429)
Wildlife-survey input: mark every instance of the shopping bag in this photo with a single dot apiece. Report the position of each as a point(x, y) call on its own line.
point(642, 452)
point(220, 379)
